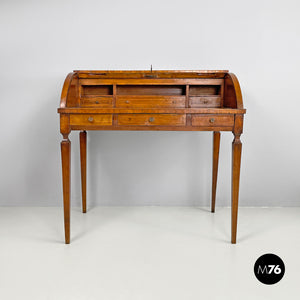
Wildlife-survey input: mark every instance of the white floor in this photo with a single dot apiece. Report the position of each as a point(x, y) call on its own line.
point(145, 253)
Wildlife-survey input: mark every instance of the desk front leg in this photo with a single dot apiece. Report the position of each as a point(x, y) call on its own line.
point(236, 166)
point(66, 174)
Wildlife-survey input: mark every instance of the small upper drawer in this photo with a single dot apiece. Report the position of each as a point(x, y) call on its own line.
point(90, 119)
point(205, 101)
point(96, 101)
point(152, 119)
point(150, 101)
point(213, 120)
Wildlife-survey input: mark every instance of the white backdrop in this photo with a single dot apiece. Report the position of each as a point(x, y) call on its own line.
point(41, 41)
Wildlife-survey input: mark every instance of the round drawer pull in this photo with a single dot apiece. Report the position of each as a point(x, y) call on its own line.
point(90, 119)
point(174, 102)
point(97, 102)
point(205, 101)
point(126, 101)
point(212, 120)
point(151, 119)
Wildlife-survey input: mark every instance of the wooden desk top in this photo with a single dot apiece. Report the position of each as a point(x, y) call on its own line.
point(155, 73)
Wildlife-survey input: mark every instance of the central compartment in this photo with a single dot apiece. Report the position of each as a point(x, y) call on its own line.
point(170, 90)
point(151, 96)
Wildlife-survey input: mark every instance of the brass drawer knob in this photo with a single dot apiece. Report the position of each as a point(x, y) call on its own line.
point(212, 120)
point(205, 101)
point(151, 119)
point(90, 119)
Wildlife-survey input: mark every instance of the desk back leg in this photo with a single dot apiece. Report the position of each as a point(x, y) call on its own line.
point(82, 139)
point(66, 166)
point(216, 148)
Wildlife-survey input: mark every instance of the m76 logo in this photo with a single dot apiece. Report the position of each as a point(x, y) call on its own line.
point(269, 269)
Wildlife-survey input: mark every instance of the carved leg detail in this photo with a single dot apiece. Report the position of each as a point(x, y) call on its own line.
point(216, 147)
point(236, 164)
point(82, 139)
point(66, 165)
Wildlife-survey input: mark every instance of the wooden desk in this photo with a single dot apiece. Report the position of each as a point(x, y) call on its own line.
point(151, 100)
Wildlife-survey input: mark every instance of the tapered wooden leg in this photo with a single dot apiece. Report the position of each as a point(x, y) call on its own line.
point(236, 164)
point(82, 139)
point(216, 147)
point(66, 174)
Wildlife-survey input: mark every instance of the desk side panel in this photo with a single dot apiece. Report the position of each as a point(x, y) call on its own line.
point(232, 92)
point(70, 91)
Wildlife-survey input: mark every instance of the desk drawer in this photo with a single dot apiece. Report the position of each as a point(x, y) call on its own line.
point(152, 119)
point(90, 119)
point(150, 101)
point(205, 101)
point(212, 120)
point(99, 101)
